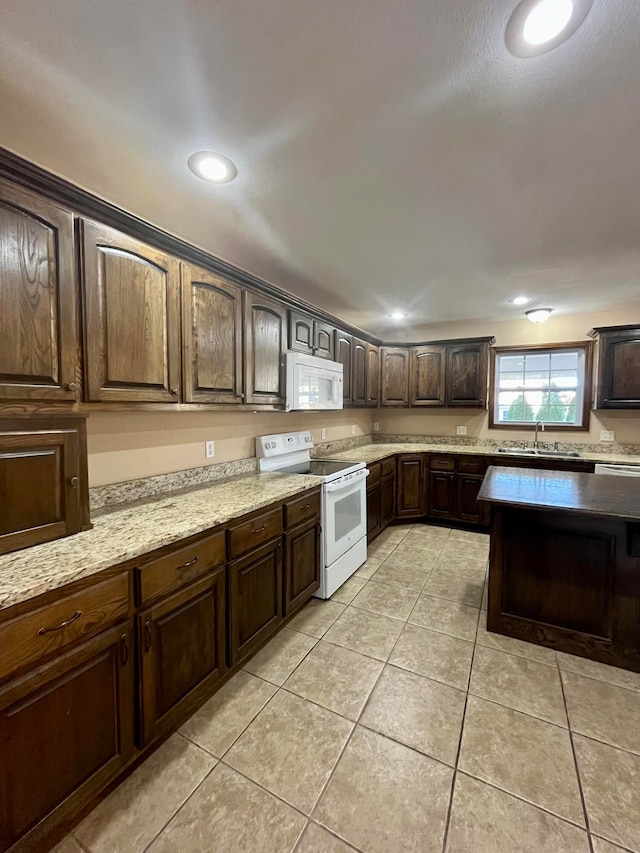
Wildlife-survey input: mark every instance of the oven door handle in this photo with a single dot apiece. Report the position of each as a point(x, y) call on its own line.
point(346, 484)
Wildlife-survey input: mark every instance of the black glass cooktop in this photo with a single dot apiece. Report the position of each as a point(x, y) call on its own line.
point(319, 467)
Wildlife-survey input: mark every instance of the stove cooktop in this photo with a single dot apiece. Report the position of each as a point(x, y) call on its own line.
point(322, 468)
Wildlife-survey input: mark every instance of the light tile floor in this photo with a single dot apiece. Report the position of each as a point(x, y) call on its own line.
point(388, 720)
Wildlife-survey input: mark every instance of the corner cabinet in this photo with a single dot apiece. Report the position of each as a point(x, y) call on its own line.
point(427, 376)
point(39, 349)
point(618, 373)
point(132, 319)
point(265, 347)
point(394, 390)
point(467, 374)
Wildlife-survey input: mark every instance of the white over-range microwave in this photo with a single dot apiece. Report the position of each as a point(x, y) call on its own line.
point(313, 383)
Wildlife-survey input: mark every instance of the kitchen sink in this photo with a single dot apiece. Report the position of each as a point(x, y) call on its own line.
point(545, 454)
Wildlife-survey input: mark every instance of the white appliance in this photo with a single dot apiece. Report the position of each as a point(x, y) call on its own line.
point(617, 470)
point(343, 505)
point(313, 383)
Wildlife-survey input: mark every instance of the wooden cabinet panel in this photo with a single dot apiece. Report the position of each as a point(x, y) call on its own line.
point(343, 347)
point(41, 486)
point(323, 340)
point(388, 467)
point(375, 472)
point(440, 462)
point(467, 366)
point(618, 376)
point(65, 732)
point(394, 385)
point(472, 464)
point(467, 507)
point(38, 351)
point(301, 332)
point(428, 372)
point(387, 500)
point(359, 373)
point(374, 512)
point(302, 509)
point(132, 319)
point(212, 343)
point(411, 485)
point(255, 599)
point(302, 564)
point(259, 528)
point(442, 495)
point(265, 342)
point(373, 375)
point(182, 652)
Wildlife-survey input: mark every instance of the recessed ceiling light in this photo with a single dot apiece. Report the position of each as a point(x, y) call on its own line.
point(537, 26)
point(538, 315)
point(212, 167)
point(397, 315)
point(520, 300)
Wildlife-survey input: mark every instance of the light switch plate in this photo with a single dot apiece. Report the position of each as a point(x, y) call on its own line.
point(607, 435)
point(376, 426)
point(461, 430)
point(210, 449)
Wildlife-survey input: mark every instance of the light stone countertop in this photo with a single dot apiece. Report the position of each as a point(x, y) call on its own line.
point(374, 452)
point(131, 530)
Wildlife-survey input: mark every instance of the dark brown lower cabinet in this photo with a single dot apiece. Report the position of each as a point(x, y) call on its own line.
point(66, 730)
point(255, 599)
point(442, 495)
point(411, 485)
point(374, 518)
point(387, 501)
point(182, 653)
point(468, 509)
point(302, 565)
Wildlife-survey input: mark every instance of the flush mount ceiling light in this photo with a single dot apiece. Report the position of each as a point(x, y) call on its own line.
point(537, 26)
point(520, 300)
point(397, 315)
point(538, 315)
point(212, 167)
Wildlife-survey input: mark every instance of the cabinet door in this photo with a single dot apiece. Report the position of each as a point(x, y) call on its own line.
point(40, 487)
point(373, 375)
point(427, 382)
point(38, 350)
point(66, 730)
point(395, 376)
point(132, 319)
point(442, 495)
point(387, 501)
point(302, 565)
point(343, 347)
point(619, 370)
point(411, 486)
point(323, 340)
point(359, 373)
point(374, 512)
point(301, 337)
point(182, 653)
point(265, 342)
point(212, 345)
point(255, 599)
point(468, 509)
point(467, 366)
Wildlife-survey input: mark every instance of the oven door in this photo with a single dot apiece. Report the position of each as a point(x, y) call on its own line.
point(345, 515)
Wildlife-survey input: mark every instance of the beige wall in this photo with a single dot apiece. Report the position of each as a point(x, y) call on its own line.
point(127, 446)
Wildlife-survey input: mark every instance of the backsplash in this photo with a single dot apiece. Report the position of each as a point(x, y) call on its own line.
point(610, 447)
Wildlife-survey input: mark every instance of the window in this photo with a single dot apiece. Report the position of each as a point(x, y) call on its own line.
point(532, 384)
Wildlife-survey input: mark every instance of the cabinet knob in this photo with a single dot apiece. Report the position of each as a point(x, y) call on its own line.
point(175, 391)
point(72, 386)
point(73, 482)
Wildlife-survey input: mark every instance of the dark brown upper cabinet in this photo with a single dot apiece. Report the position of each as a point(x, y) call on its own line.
point(373, 376)
point(359, 373)
point(343, 348)
point(132, 319)
point(38, 332)
point(212, 337)
point(428, 376)
point(265, 343)
point(467, 374)
point(310, 336)
point(618, 372)
point(394, 385)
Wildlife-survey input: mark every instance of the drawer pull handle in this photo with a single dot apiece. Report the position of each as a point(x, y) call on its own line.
point(189, 564)
point(306, 506)
point(147, 636)
point(62, 625)
point(259, 529)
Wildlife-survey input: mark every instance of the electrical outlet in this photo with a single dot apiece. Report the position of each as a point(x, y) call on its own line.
point(376, 427)
point(353, 429)
point(210, 449)
point(607, 435)
point(323, 434)
point(461, 430)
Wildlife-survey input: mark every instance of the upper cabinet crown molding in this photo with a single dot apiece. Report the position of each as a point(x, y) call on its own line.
point(618, 367)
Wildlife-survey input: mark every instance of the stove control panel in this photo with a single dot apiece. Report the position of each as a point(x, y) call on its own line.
point(282, 443)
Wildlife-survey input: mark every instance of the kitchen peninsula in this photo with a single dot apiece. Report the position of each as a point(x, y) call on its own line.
point(564, 567)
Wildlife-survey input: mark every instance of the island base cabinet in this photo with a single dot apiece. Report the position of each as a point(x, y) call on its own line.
point(182, 654)
point(66, 730)
point(302, 565)
point(255, 599)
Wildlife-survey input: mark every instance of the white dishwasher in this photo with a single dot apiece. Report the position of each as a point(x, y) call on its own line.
point(617, 470)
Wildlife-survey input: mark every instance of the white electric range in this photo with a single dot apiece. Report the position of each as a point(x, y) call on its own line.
point(344, 502)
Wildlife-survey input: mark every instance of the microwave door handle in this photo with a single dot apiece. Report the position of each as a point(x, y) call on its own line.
point(337, 390)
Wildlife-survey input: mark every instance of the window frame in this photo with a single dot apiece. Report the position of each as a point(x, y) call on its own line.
point(585, 346)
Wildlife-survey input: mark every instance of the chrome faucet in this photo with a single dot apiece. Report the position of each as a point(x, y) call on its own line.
point(539, 425)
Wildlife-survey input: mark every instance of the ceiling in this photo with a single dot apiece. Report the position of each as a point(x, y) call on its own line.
point(389, 153)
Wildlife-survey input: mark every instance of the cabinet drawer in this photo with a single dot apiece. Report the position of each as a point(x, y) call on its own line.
point(374, 474)
point(183, 565)
point(472, 465)
point(39, 633)
point(443, 463)
point(388, 467)
point(302, 509)
point(244, 537)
